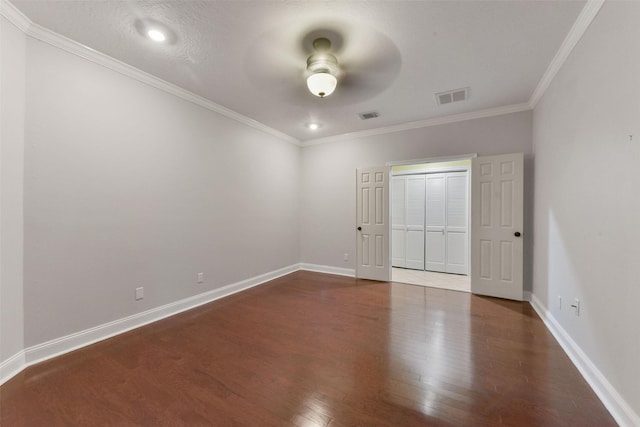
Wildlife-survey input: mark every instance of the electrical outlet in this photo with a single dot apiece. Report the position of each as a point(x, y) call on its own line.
point(200, 277)
point(139, 293)
point(559, 302)
point(576, 306)
point(346, 257)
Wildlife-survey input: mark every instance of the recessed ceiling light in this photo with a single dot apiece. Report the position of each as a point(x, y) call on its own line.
point(156, 35)
point(313, 126)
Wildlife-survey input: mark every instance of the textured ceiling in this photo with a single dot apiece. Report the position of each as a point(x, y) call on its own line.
point(249, 56)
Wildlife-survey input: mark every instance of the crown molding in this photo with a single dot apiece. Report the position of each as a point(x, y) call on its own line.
point(14, 16)
point(43, 34)
point(588, 13)
point(479, 114)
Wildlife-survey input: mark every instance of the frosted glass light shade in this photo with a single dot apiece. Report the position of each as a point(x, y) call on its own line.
point(322, 84)
point(156, 35)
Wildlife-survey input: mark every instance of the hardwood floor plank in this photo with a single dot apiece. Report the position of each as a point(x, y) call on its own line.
point(311, 349)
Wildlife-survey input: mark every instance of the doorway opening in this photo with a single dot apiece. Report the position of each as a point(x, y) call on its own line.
point(430, 223)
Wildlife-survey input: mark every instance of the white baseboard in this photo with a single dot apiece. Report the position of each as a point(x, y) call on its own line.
point(12, 366)
point(56, 347)
point(328, 269)
point(624, 415)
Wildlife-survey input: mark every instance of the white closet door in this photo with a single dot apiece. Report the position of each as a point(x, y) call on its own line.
point(398, 221)
point(435, 255)
point(456, 232)
point(415, 222)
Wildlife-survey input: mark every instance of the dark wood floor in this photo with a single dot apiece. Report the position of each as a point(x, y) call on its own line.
point(311, 349)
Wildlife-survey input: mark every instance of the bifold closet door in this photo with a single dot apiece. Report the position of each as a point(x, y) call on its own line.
point(435, 242)
point(415, 216)
point(456, 232)
point(430, 222)
point(398, 221)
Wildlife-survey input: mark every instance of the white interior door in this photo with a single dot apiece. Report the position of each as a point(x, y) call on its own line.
point(398, 224)
point(457, 223)
point(372, 223)
point(435, 254)
point(496, 226)
point(415, 222)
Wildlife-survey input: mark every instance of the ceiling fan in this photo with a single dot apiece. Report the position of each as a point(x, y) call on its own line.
point(358, 63)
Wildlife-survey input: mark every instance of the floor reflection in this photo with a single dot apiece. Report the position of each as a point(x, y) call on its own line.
point(430, 348)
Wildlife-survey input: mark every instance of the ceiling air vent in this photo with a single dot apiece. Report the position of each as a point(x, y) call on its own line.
point(369, 115)
point(452, 96)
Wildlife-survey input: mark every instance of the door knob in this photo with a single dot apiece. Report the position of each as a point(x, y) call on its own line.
point(517, 234)
point(359, 228)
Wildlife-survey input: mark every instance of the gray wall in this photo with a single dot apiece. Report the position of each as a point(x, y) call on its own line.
point(328, 204)
point(587, 203)
point(12, 84)
point(127, 186)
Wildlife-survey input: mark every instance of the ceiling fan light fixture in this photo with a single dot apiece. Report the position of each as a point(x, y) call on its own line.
point(322, 84)
point(323, 67)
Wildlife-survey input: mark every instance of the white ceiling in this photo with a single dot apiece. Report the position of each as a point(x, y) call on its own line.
point(250, 56)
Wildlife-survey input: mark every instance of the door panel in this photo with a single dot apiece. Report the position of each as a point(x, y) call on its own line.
point(398, 205)
point(398, 218)
point(372, 221)
point(415, 201)
point(457, 252)
point(408, 221)
point(435, 200)
point(456, 232)
point(496, 226)
point(457, 200)
point(415, 222)
point(435, 255)
point(398, 244)
point(415, 249)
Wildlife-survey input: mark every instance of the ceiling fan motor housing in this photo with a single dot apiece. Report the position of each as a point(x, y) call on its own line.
point(322, 62)
point(322, 68)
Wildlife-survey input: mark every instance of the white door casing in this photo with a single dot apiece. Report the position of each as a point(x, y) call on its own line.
point(372, 223)
point(496, 226)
